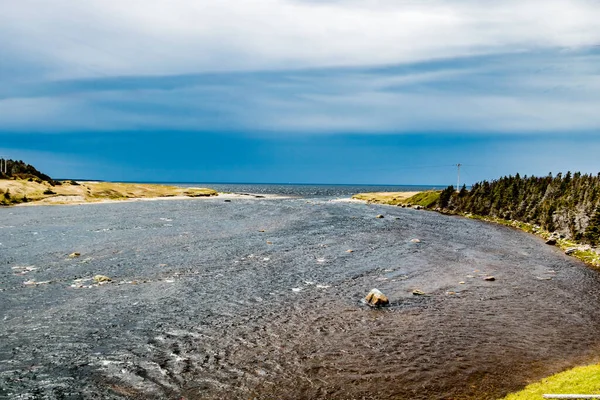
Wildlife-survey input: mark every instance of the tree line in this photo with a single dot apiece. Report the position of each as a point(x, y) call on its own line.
point(569, 203)
point(21, 170)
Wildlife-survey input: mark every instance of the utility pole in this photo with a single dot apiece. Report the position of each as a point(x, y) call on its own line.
point(458, 178)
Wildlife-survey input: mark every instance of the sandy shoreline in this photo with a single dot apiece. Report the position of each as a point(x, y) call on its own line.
point(31, 193)
point(79, 200)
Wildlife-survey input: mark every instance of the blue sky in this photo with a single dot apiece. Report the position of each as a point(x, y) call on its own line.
point(371, 91)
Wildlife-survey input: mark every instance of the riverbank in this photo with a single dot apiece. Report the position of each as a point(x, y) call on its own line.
point(25, 192)
point(428, 200)
point(576, 380)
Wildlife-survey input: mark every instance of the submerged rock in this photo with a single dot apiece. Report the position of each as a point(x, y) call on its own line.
point(376, 299)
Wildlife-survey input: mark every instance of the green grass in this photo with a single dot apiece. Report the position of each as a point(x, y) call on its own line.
point(580, 380)
point(425, 199)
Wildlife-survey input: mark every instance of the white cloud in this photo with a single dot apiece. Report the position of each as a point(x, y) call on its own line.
point(516, 94)
point(137, 37)
point(540, 76)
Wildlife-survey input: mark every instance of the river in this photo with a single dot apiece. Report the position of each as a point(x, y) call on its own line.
point(261, 298)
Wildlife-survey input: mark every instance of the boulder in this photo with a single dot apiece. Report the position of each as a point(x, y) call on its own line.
point(489, 278)
point(418, 292)
point(570, 250)
point(551, 241)
point(376, 299)
point(418, 207)
point(379, 216)
point(74, 255)
point(415, 241)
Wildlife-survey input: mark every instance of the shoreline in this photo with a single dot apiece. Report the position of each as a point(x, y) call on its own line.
point(223, 196)
point(582, 252)
point(18, 192)
point(578, 375)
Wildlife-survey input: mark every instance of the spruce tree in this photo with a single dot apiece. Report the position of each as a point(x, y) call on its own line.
point(592, 232)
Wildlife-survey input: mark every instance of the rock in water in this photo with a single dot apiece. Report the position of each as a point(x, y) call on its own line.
point(489, 278)
point(74, 255)
point(551, 241)
point(379, 216)
point(415, 241)
point(376, 299)
point(101, 278)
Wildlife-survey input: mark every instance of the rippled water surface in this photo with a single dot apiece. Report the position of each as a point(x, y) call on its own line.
point(205, 305)
point(311, 190)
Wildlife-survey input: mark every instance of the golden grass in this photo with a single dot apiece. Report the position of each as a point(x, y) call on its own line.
point(425, 199)
point(580, 380)
point(391, 198)
point(90, 192)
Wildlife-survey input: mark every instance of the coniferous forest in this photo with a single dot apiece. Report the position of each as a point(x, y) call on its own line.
point(569, 203)
point(21, 170)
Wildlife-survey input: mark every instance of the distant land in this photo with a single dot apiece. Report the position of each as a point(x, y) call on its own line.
point(24, 184)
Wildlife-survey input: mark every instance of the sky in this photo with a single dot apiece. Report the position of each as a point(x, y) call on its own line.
point(300, 91)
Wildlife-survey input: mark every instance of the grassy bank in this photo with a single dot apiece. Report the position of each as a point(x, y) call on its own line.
point(424, 199)
point(580, 380)
point(18, 191)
